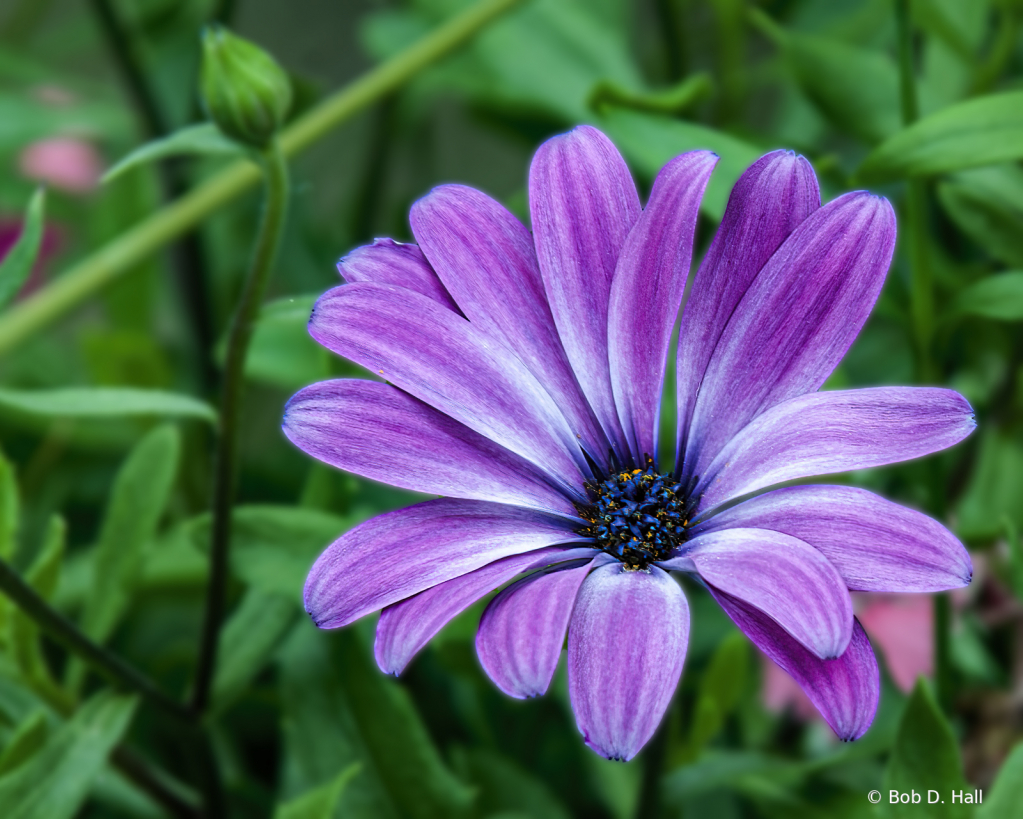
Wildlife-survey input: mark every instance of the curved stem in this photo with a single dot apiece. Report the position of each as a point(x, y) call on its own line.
point(122, 255)
point(63, 631)
point(225, 466)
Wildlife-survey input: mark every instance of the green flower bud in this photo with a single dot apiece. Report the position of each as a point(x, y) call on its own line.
point(245, 92)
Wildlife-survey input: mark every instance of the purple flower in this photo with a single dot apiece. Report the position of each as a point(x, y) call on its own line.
point(524, 376)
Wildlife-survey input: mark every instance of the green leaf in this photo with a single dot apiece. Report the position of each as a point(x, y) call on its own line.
point(691, 91)
point(996, 297)
point(649, 141)
point(1015, 544)
point(981, 131)
point(55, 782)
point(321, 802)
point(137, 502)
point(994, 487)
point(20, 259)
point(925, 758)
point(203, 139)
point(9, 506)
point(1004, 800)
point(505, 787)
point(249, 639)
point(339, 709)
point(105, 402)
point(273, 547)
point(987, 205)
point(28, 737)
point(282, 352)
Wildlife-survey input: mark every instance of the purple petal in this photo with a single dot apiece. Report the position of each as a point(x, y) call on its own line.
point(406, 627)
point(378, 431)
point(627, 641)
point(796, 320)
point(788, 580)
point(827, 432)
point(523, 629)
point(647, 291)
point(398, 554)
point(875, 544)
point(583, 203)
point(845, 690)
point(773, 196)
point(485, 257)
point(389, 262)
point(442, 359)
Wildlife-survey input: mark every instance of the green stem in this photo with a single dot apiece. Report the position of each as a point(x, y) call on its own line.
point(120, 256)
point(942, 650)
point(68, 635)
point(154, 782)
point(226, 459)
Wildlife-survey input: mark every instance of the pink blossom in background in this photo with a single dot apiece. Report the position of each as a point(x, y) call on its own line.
point(900, 626)
point(68, 163)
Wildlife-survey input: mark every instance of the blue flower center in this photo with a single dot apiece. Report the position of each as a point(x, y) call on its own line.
point(637, 516)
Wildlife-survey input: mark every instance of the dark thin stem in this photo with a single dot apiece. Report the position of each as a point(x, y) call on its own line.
point(649, 804)
point(370, 189)
point(907, 78)
point(942, 650)
point(155, 783)
point(188, 255)
point(225, 464)
point(669, 19)
point(63, 631)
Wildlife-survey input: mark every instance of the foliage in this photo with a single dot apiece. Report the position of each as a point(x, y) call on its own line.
point(109, 416)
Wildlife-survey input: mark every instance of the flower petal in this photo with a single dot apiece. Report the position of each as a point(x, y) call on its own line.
point(845, 690)
point(406, 627)
point(398, 554)
point(646, 293)
point(827, 432)
point(485, 257)
point(583, 203)
point(442, 359)
point(523, 629)
point(389, 262)
point(378, 431)
point(772, 197)
point(627, 641)
point(796, 320)
point(875, 544)
point(788, 580)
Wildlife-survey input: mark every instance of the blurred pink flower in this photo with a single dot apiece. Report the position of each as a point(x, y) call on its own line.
point(900, 625)
point(68, 163)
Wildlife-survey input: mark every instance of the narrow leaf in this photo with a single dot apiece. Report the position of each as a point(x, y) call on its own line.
point(321, 802)
point(925, 757)
point(997, 297)
point(55, 782)
point(20, 259)
point(28, 737)
point(137, 502)
point(248, 641)
point(1005, 798)
point(691, 91)
point(981, 131)
point(105, 402)
point(202, 139)
point(987, 205)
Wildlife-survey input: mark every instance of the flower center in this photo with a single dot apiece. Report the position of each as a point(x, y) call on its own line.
point(637, 516)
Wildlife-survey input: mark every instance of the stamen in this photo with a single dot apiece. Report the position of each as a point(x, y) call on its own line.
point(637, 515)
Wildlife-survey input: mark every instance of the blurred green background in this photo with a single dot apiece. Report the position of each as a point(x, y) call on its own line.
point(103, 495)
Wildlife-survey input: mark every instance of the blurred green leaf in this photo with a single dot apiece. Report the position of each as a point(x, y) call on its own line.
point(996, 297)
point(8, 508)
point(650, 141)
point(987, 205)
point(137, 502)
point(20, 259)
point(969, 654)
point(104, 402)
point(282, 352)
point(981, 131)
point(507, 788)
point(925, 757)
point(691, 91)
point(321, 802)
point(273, 547)
point(1015, 556)
point(28, 737)
point(994, 487)
point(24, 120)
point(1004, 800)
point(202, 139)
point(339, 709)
point(55, 782)
point(251, 635)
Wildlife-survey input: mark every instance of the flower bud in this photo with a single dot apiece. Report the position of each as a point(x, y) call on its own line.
point(245, 92)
